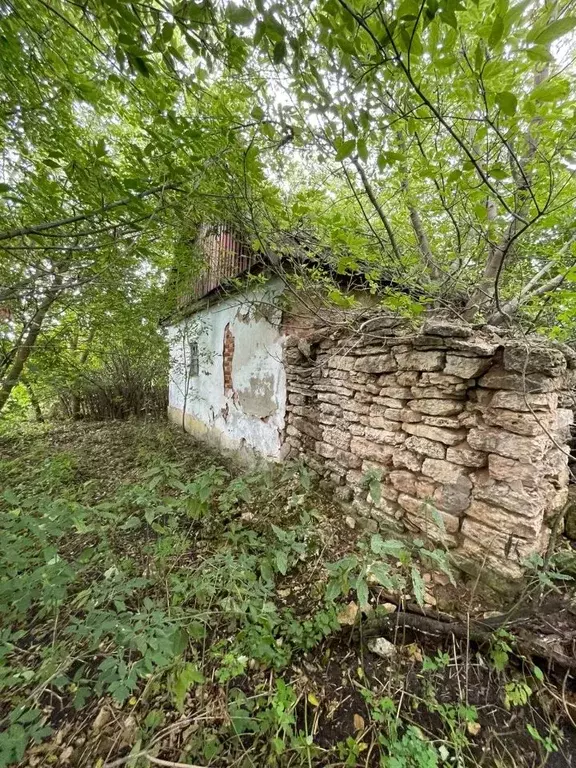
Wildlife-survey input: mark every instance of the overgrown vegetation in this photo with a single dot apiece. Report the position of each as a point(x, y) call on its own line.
point(425, 146)
point(158, 606)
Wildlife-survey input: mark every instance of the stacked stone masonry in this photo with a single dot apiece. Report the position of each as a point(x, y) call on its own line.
point(466, 431)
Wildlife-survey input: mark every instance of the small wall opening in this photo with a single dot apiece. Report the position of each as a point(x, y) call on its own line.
point(228, 359)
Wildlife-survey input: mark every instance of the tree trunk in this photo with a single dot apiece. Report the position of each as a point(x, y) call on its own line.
point(15, 371)
point(74, 399)
point(33, 399)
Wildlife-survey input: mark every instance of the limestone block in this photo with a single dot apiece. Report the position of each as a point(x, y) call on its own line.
point(386, 380)
point(300, 410)
point(419, 361)
point(449, 422)
point(440, 434)
point(340, 362)
point(329, 418)
point(307, 427)
point(465, 455)
point(379, 403)
point(497, 378)
point(398, 393)
point(437, 407)
point(498, 441)
point(466, 367)
point(325, 450)
point(503, 551)
point(337, 386)
point(429, 518)
point(387, 493)
point(354, 406)
point(504, 522)
point(355, 478)
point(337, 438)
point(356, 429)
point(526, 502)
point(517, 422)
point(517, 401)
point(473, 347)
point(557, 502)
point(348, 460)
point(454, 497)
point(439, 393)
point(330, 408)
point(447, 328)
point(427, 447)
point(408, 378)
point(403, 414)
point(405, 459)
point(524, 358)
point(403, 481)
point(375, 364)
point(563, 422)
point(379, 422)
point(508, 470)
point(296, 399)
point(445, 381)
point(443, 471)
point(425, 489)
point(367, 449)
point(384, 436)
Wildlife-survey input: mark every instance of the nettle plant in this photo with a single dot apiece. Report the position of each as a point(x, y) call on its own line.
point(390, 563)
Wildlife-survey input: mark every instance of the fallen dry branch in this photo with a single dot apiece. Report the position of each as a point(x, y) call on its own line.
point(548, 644)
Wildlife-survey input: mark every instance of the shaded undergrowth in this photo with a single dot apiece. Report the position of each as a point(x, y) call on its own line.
point(160, 605)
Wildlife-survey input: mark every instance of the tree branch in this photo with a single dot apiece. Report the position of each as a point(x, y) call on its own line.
point(35, 229)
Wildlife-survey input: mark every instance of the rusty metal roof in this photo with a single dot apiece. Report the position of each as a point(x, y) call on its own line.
point(226, 256)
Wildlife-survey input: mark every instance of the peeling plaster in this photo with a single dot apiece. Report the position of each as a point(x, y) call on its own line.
point(251, 415)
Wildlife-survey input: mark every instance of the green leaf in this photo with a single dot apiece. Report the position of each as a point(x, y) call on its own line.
point(553, 89)
point(380, 546)
point(388, 158)
point(496, 32)
point(181, 682)
point(539, 53)
point(100, 148)
point(362, 591)
point(362, 149)
point(345, 149)
point(5, 188)
point(381, 573)
point(418, 585)
point(454, 175)
point(552, 31)
point(281, 561)
point(507, 102)
point(239, 14)
point(257, 113)
point(279, 52)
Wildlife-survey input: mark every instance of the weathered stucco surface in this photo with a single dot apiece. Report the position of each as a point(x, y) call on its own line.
point(238, 399)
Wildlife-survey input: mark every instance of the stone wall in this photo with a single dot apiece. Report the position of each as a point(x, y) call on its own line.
point(465, 429)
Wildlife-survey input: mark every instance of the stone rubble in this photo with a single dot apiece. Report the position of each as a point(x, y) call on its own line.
point(464, 427)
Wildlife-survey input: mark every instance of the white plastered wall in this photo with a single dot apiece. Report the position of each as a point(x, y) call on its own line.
point(250, 416)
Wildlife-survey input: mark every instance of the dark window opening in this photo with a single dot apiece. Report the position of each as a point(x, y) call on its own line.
point(194, 359)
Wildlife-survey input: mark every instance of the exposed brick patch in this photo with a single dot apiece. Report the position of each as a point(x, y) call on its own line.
point(227, 359)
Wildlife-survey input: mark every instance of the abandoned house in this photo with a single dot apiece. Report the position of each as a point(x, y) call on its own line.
point(465, 429)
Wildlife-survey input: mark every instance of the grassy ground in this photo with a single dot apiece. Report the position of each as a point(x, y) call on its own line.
point(160, 607)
